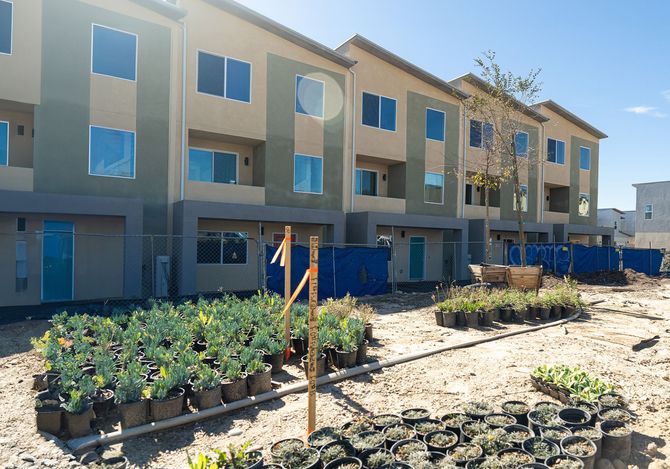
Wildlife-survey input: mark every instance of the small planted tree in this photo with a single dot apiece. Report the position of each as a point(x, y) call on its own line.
point(505, 144)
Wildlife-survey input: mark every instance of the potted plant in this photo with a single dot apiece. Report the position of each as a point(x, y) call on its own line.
point(78, 409)
point(592, 409)
point(517, 434)
point(274, 354)
point(128, 396)
point(322, 436)
point(398, 432)
point(593, 434)
point(477, 410)
point(615, 413)
point(366, 314)
point(376, 458)
point(424, 427)
point(371, 439)
point(493, 441)
point(279, 448)
point(103, 396)
point(166, 398)
point(499, 420)
point(514, 457)
point(464, 452)
point(356, 425)
point(259, 378)
point(299, 458)
point(571, 417)
point(206, 384)
point(453, 421)
point(403, 449)
point(414, 415)
point(348, 462)
point(320, 364)
point(440, 440)
point(48, 413)
point(617, 440)
point(517, 409)
point(473, 428)
point(238, 457)
point(382, 421)
point(345, 351)
point(540, 448)
point(234, 383)
point(611, 399)
point(564, 461)
point(555, 434)
point(336, 449)
point(580, 447)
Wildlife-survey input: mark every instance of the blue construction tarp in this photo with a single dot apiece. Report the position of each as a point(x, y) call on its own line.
point(357, 271)
point(594, 258)
point(552, 256)
point(647, 261)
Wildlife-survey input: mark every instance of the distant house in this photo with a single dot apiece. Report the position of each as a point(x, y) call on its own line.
point(623, 223)
point(652, 225)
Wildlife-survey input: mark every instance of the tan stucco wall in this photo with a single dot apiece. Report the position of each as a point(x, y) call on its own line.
point(237, 277)
point(20, 146)
point(16, 179)
point(113, 102)
point(98, 260)
point(434, 259)
point(22, 70)
point(308, 135)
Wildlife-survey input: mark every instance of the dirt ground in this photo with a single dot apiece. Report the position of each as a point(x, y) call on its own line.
point(604, 342)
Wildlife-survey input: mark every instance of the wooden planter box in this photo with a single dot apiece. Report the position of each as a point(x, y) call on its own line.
point(488, 273)
point(525, 278)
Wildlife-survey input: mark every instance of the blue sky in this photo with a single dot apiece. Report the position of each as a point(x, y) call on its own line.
point(606, 61)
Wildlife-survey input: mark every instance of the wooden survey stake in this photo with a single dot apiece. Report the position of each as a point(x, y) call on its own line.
point(313, 298)
point(287, 288)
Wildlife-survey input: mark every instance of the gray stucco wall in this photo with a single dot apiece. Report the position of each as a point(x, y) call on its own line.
point(507, 209)
point(657, 194)
point(62, 120)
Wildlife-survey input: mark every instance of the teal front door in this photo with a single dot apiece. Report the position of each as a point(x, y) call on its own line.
point(417, 257)
point(58, 261)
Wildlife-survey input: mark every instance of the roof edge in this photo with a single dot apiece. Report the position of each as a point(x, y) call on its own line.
point(575, 119)
point(282, 31)
point(164, 8)
point(648, 183)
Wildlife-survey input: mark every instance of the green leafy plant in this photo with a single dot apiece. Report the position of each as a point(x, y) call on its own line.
point(205, 379)
point(130, 384)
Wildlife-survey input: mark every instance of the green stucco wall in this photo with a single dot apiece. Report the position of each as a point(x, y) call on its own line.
point(592, 219)
point(276, 154)
point(507, 209)
point(63, 117)
point(416, 156)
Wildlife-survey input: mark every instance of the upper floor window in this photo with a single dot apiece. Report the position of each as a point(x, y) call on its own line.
point(6, 26)
point(114, 53)
point(309, 96)
point(435, 121)
point(366, 182)
point(308, 174)
point(224, 77)
point(584, 158)
point(555, 151)
point(648, 212)
point(4, 143)
point(433, 188)
point(523, 189)
point(481, 134)
point(212, 166)
point(584, 207)
point(521, 144)
point(111, 152)
point(379, 111)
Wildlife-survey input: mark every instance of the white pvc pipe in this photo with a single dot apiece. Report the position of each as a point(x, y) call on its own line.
point(79, 445)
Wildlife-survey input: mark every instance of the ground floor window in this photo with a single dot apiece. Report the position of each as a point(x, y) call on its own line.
point(222, 247)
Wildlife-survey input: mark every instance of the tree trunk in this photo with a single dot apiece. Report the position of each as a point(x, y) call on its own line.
point(487, 224)
point(519, 213)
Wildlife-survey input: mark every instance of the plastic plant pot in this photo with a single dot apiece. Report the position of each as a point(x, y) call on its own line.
point(617, 440)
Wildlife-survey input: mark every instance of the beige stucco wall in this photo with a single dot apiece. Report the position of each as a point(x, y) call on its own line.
point(20, 146)
point(16, 179)
point(113, 102)
point(98, 260)
point(434, 252)
point(308, 135)
point(22, 70)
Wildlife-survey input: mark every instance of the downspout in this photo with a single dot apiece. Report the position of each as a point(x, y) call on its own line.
point(182, 159)
point(353, 139)
point(465, 146)
point(543, 144)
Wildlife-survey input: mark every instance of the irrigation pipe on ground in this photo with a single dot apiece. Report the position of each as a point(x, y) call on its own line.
point(79, 445)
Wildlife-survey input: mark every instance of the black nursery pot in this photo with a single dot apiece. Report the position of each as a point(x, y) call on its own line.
point(593, 411)
point(589, 460)
point(344, 461)
point(506, 314)
point(598, 441)
point(365, 454)
point(345, 359)
point(133, 413)
point(320, 364)
point(439, 319)
point(440, 449)
point(615, 446)
point(521, 418)
point(472, 318)
point(362, 353)
point(349, 450)
point(258, 383)
point(528, 444)
point(552, 460)
point(571, 417)
point(299, 346)
point(455, 429)
point(411, 420)
point(486, 318)
point(460, 318)
point(234, 390)
point(449, 318)
point(276, 360)
point(48, 419)
point(544, 313)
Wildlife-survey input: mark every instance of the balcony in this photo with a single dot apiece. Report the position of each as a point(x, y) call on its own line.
point(229, 193)
point(16, 179)
point(368, 203)
point(560, 218)
point(478, 212)
point(16, 160)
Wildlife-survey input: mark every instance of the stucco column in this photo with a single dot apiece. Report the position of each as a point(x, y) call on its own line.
point(132, 252)
point(185, 248)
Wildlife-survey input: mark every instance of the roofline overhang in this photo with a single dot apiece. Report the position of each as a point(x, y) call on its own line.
point(164, 8)
point(578, 121)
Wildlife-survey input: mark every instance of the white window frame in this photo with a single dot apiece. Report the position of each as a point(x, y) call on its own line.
point(588, 196)
point(564, 147)
point(137, 45)
point(376, 181)
point(424, 187)
point(580, 158)
point(515, 134)
point(225, 83)
point(322, 181)
point(426, 129)
point(11, 35)
point(521, 186)
point(212, 151)
point(221, 238)
point(134, 176)
point(379, 127)
point(323, 101)
point(8, 127)
point(650, 211)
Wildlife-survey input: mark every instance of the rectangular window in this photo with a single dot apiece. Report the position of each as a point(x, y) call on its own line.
point(212, 166)
point(523, 189)
point(224, 77)
point(555, 151)
point(584, 158)
point(114, 53)
point(435, 121)
point(378, 111)
point(4, 143)
point(366, 182)
point(521, 144)
point(111, 152)
point(584, 208)
point(216, 247)
point(648, 212)
point(468, 194)
point(309, 96)
point(308, 174)
point(433, 188)
point(481, 134)
point(6, 26)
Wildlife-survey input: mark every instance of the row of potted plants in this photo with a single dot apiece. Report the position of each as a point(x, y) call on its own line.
point(481, 306)
point(545, 435)
point(567, 383)
point(150, 363)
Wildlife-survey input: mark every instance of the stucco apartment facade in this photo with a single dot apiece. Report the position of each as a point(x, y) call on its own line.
point(209, 126)
point(652, 215)
point(622, 222)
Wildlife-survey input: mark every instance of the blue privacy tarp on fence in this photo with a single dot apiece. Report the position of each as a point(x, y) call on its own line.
point(594, 258)
point(357, 271)
point(647, 261)
point(553, 257)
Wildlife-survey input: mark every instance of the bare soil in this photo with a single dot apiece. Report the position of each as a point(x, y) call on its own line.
point(625, 339)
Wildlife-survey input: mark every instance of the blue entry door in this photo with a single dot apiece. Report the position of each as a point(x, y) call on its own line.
point(58, 261)
point(417, 257)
